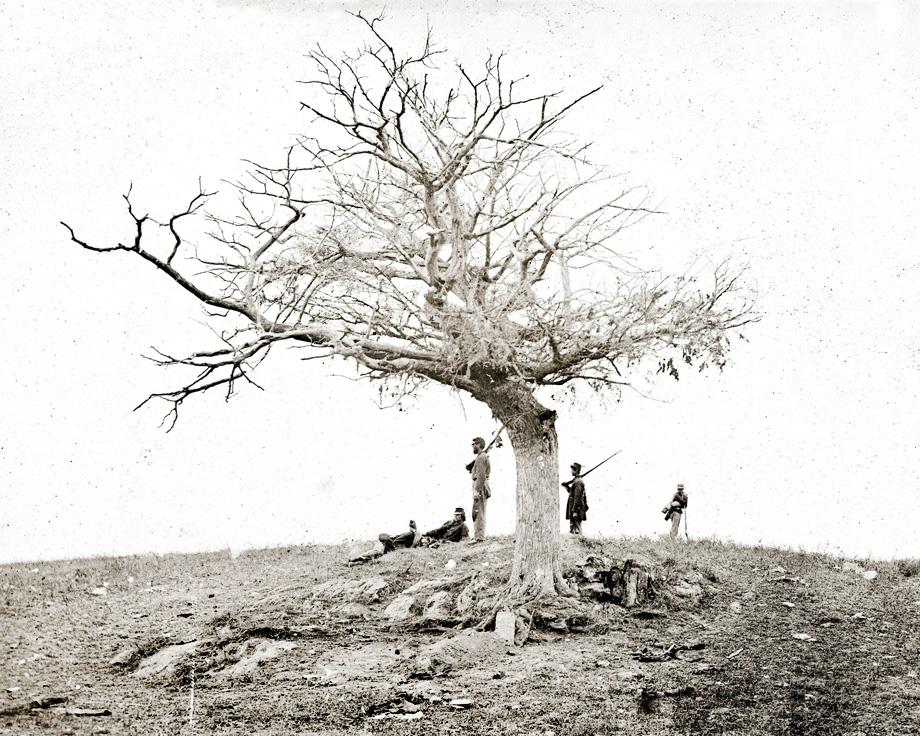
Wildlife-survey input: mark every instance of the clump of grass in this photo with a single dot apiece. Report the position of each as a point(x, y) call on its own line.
point(908, 568)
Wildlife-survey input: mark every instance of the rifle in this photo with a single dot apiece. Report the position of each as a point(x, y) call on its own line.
point(565, 484)
point(495, 441)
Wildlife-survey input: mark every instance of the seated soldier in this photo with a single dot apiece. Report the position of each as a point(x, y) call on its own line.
point(389, 542)
point(450, 531)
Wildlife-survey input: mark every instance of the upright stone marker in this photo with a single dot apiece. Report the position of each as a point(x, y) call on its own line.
point(504, 626)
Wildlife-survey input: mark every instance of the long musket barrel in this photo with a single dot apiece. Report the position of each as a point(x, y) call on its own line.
point(569, 482)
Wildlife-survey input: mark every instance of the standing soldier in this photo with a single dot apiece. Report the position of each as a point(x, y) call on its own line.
point(576, 508)
point(481, 491)
point(675, 510)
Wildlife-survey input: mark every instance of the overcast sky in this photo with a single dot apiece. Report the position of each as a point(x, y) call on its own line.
point(783, 136)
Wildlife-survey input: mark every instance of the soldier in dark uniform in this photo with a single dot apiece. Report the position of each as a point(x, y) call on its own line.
point(576, 507)
point(674, 511)
point(450, 531)
point(391, 542)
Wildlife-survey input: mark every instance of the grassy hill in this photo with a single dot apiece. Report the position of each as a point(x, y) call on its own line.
point(738, 640)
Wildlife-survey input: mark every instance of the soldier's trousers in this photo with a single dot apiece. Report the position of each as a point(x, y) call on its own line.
point(676, 516)
point(479, 517)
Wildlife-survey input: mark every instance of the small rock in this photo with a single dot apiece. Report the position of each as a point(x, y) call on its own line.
point(438, 607)
point(736, 607)
point(451, 564)
point(780, 570)
point(603, 663)
point(827, 624)
point(461, 703)
point(400, 608)
point(859, 616)
point(870, 575)
point(629, 675)
point(788, 604)
point(803, 637)
point(124, 656)
point(99, 591)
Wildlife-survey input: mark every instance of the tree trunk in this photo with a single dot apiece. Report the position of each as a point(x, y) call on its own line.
point(536, 570)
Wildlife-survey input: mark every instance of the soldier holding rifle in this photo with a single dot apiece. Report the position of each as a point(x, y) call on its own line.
point(576, 507)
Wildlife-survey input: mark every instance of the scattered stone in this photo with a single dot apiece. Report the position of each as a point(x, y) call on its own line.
point(125, 656)
point(450, 564)
point(424, 586)
point(735, 606)
point(400, 608)
point(505, 626)
point(803, 637)
point(355, 610)
point(469, 647)
point(602, 663)
point(870, 575)
point(461, 703)
point(13, 689)
point(366, 591)
point(859, 616)
point(164, 662)
point(788, 604)
point(686, 590)
point(629, 675)
point(263, 650)
point(101, 590)
point(438, 608)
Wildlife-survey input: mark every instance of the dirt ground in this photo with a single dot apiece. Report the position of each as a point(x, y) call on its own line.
point(295, 641)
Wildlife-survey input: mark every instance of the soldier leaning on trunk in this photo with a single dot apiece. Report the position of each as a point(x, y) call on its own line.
point(481, 491)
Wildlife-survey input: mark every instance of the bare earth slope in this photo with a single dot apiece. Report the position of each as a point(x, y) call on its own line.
point(295, 641)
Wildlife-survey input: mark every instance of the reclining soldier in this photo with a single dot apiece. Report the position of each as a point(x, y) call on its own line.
point(389, 542)
point(452, 530)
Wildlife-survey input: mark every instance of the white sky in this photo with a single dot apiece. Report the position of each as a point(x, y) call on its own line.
point(782, 135)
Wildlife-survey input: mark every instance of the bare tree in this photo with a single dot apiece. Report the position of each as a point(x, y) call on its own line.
point(437, 226)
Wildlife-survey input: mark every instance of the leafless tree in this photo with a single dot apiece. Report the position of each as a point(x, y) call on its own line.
point(437, 226)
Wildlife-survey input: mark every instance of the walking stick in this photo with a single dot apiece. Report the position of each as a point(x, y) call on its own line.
point(686, 533)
